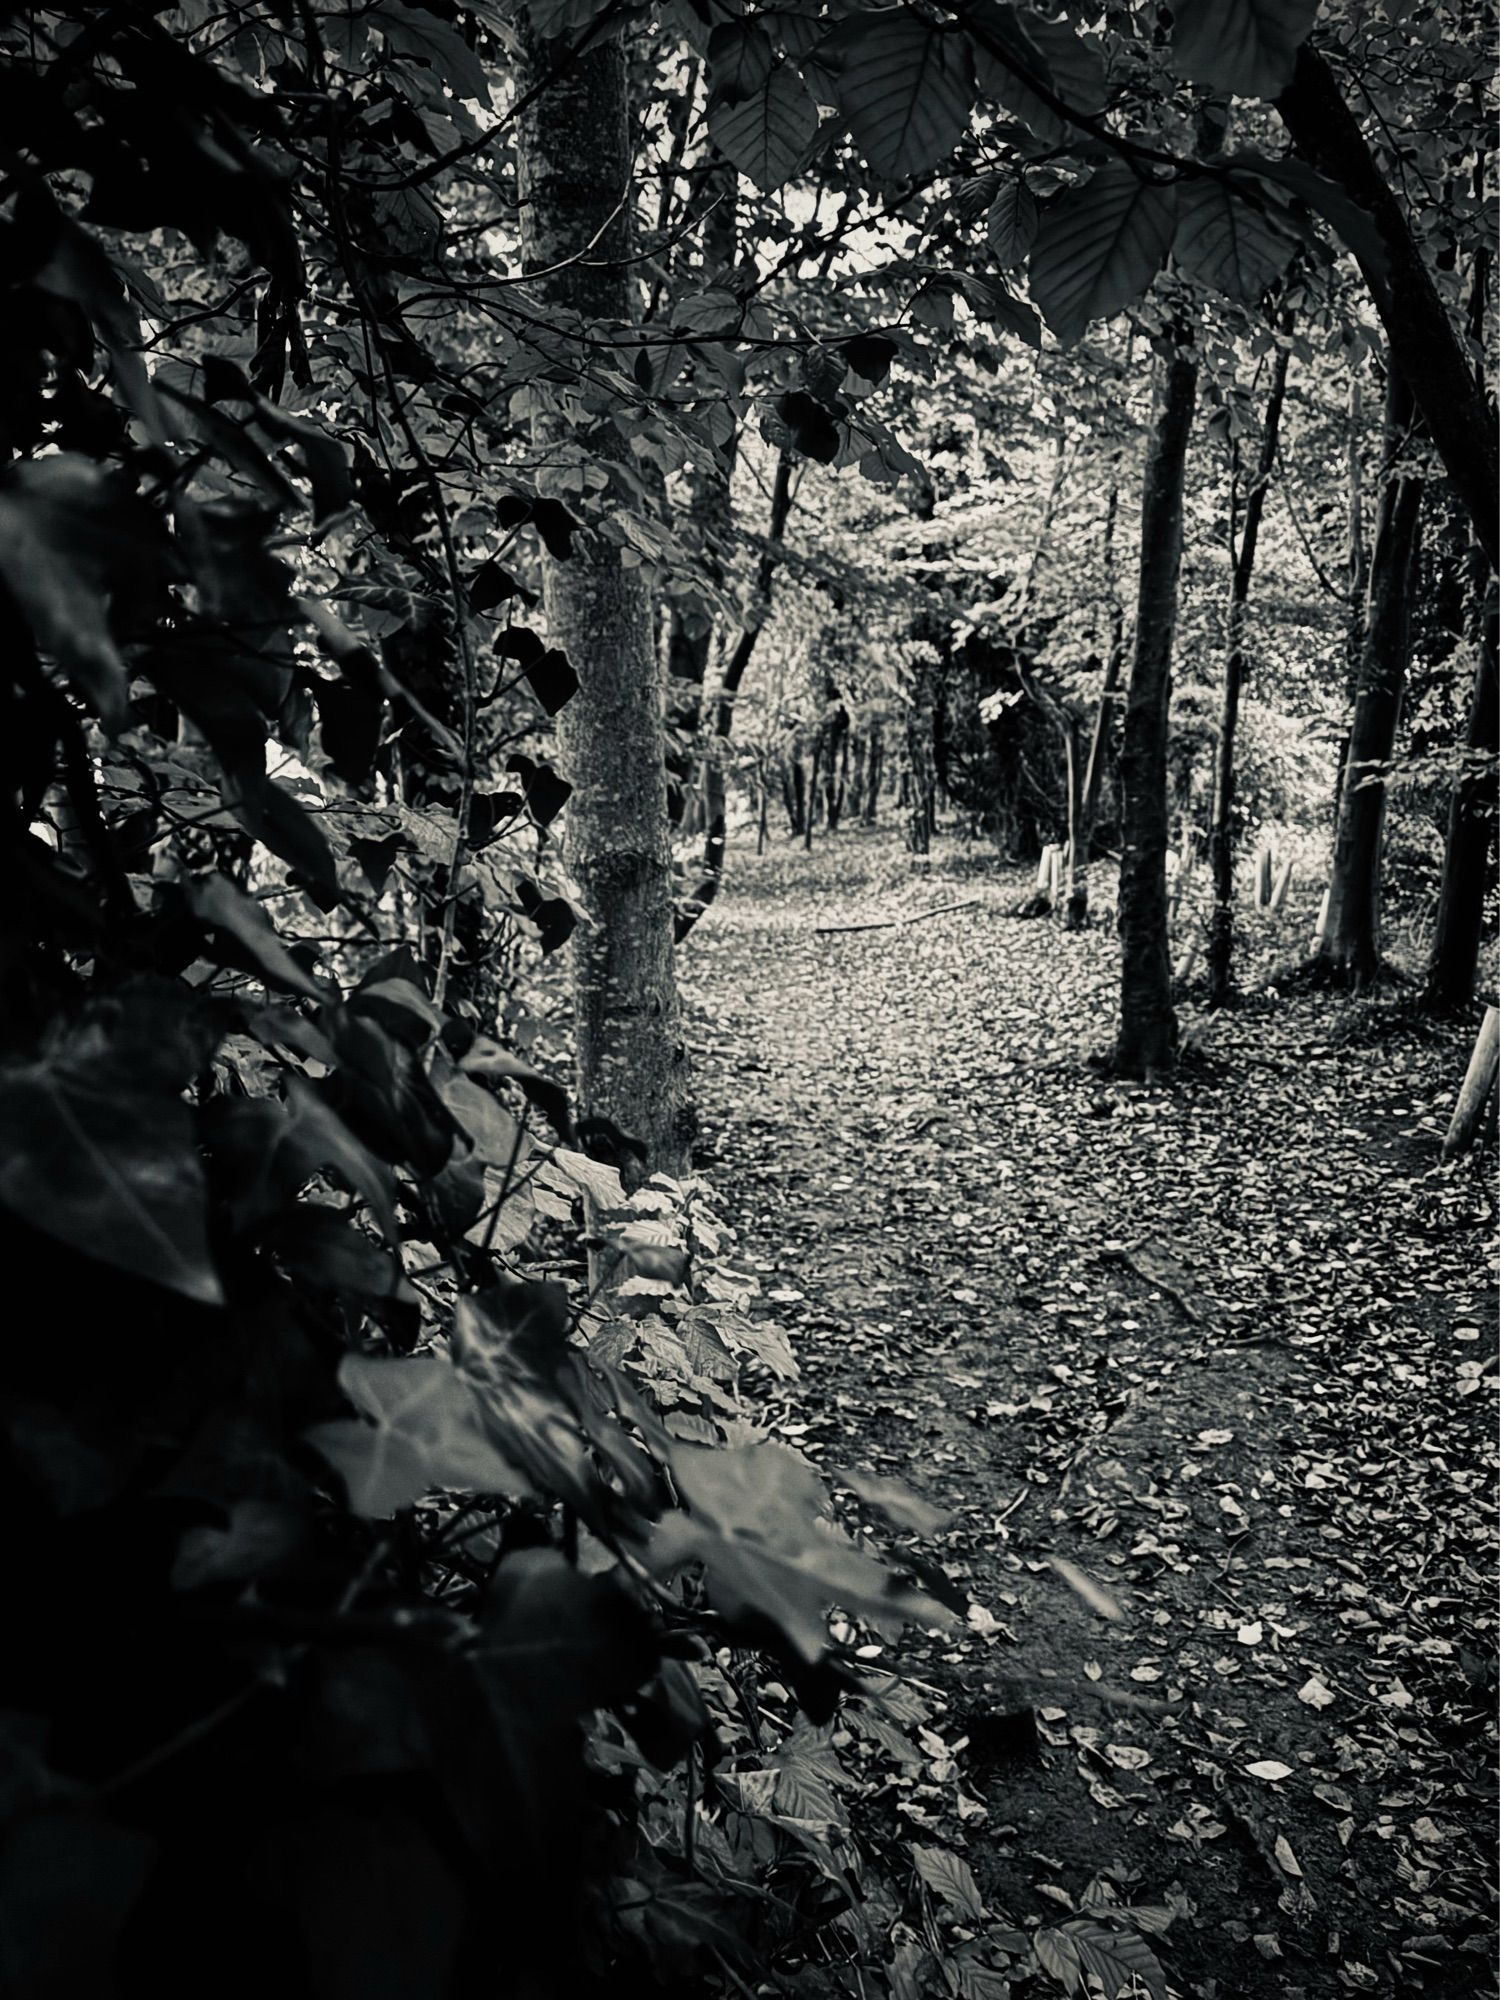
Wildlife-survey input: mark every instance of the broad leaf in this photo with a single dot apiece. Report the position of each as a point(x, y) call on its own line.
point(1353, 224)
point(1099, 247)
point(1012, 225)
point(1227, 240)
point(740, 55)
point(951, 1880)
point(1246, 48)
point(905, 86)
point(766, 133)
point(1010, 63)
point(1123, 1963)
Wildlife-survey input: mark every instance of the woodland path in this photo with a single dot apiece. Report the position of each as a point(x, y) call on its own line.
point(1227, 1347)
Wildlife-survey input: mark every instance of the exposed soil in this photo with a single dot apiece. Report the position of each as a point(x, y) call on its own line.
point(1227, 1346)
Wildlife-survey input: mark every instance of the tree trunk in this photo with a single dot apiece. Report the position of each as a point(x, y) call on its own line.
point(874, 771)
point(837, 782)
point(1147, 1040)
point(1351, 937)
point(1075, 854)
point(1356, 572)
point(920, 767)
point(796, 805)
point(1093, 775)
point(1221, 834)
point(575, 165)
point(812, 788)
point(856, 795)
point(1424, 344)
point(1471, 820)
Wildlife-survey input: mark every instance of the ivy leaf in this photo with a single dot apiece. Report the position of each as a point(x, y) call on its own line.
point(1099, 247)
point(1227, 241)
point(869, 355)
point(555, 918)
point(905, 86)
point(1012, 225)
point(493, 585)
point(551, 679)
point(767, 131)
point(109, 1166)
point(546, 792)
point(951, 1880)
point(811, 428)
point(420, 1431)
point(768, 1562)
point(494, 1132)
point(487, 1058)
point(1245, 47)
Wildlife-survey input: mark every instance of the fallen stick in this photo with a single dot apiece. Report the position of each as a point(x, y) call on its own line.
point(894, 923)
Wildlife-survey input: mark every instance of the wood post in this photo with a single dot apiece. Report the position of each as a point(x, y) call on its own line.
point(1263, 865)
point(1283, 883)
point(1479, 1081)
point(1322, 924)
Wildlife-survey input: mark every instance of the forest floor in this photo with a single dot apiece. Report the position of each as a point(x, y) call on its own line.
point(1227, 1347)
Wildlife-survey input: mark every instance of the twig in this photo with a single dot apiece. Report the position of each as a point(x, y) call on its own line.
point(894, 923)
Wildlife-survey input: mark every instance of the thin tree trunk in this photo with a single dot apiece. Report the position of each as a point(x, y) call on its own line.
point(1093, 775)
point(1424, 343)
point(837, 781)
point(1075, 857)
point(1351, 937)
point(1147, 1040)
point(796, 804)
point(874, 772)
point(856, 798)
point(812, 788)
point(715, 800)
point(575, 164)
point(1221, 834)
point(1471, 821)
point(1356, 571)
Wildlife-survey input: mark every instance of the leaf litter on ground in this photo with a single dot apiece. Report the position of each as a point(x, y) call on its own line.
point(1215, 1351)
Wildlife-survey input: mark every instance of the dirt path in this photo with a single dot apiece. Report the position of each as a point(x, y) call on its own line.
point(1222, 1347)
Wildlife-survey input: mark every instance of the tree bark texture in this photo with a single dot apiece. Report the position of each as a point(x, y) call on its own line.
point(1423, 341)
point(1147, 1039)
point(574, 175)
point(1471, 823)
point(1221, 832)
point(1351, 937)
